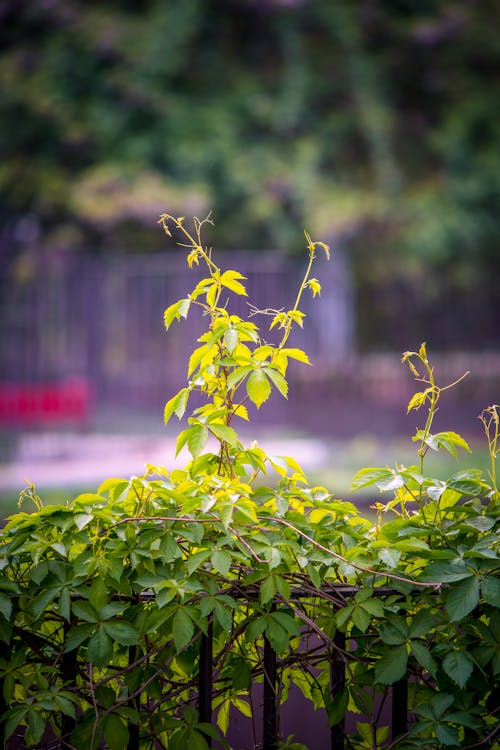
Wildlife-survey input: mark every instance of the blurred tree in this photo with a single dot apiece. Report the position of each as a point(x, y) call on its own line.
point(376, 120)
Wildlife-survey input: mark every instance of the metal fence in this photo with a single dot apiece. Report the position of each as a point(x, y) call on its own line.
point(101, 319)
point(91, 327)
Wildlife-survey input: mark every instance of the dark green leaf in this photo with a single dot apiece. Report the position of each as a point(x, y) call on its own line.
point(182, 628)
point(424, 657)
point(5, 606)
point(43, 600)
point(463, 598)
point(338, 707)
point(391, 667)
point(78, 635)
point(116, 733)
point(14, 718)
point(446, 735)
point(221, 561)
point(100, 647)
point(84, 611)
point(122, 632)
point(442, 571)
point(458, 665)
point(421, 624)
point(490, 589)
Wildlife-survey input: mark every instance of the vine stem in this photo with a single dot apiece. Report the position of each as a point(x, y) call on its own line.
point(433, 584)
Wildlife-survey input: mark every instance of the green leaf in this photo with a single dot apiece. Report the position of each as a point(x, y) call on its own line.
point(98, 594)
point(224, 616)
point(391, 634)
point(286, 621)
point(446, 735)
point(450, 441)
point(43, 600)
point(77, 635)
point(448, 571)
point(255, 628)
point(278, 380)
point(490, 589)
point(338, 707)
point(458, 665)
point(65, 603)
point(267, 589)
point(361, 618)
point(424, 657)
point(258, 388)
point(374, 606)
point(82, 519)
point(368, 476)
point(84, 611)
point(197, 439)
point(14, 718)
point(225, 433)
point(418, 399)
point(198, 558)
point(231, 339)
point(122, 632)
point(182, 628)
point(35, 728)
point(277, 636)
point(463, 598)
point(100, 647)
point(421, 624)
point(390, 557)
point(391, 667)
point(5, 606)
point(116, 733)
point(176, 311)
point(176, 405)
point(468, 482)
point(221, 561)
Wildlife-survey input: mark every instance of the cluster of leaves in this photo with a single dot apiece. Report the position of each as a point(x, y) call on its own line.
point(105, 602)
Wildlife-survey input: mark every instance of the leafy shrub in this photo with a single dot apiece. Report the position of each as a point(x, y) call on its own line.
point(104, 602)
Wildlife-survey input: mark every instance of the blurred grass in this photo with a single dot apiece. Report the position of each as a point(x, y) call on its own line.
point(339, 463)
point(368, 451)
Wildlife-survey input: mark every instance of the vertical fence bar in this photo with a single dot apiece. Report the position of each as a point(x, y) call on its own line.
point(133, 729)
point(3, 709)
point(205, 679)
point(399, 708)
point(269, 723)
point(69, 668)
point(337, 683)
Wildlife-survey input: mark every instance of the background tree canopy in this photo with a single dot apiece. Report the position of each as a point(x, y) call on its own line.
point(375, 121)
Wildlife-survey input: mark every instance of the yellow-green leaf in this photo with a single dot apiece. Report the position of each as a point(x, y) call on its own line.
point(297, 354)
point(258, 387)
point(278, 380)
point(197, 439)
point(229, 280)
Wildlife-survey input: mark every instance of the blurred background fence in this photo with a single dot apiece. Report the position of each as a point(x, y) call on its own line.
point(81, 338)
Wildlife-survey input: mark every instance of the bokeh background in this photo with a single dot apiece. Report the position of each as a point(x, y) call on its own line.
point(374, 124)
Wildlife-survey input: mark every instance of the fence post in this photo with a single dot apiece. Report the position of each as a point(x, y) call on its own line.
point(69, 668)
point(269, 733)
point(399, 708)
point(133, 728)
point(3, 708)
point(205, 679)
point(337, 683)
